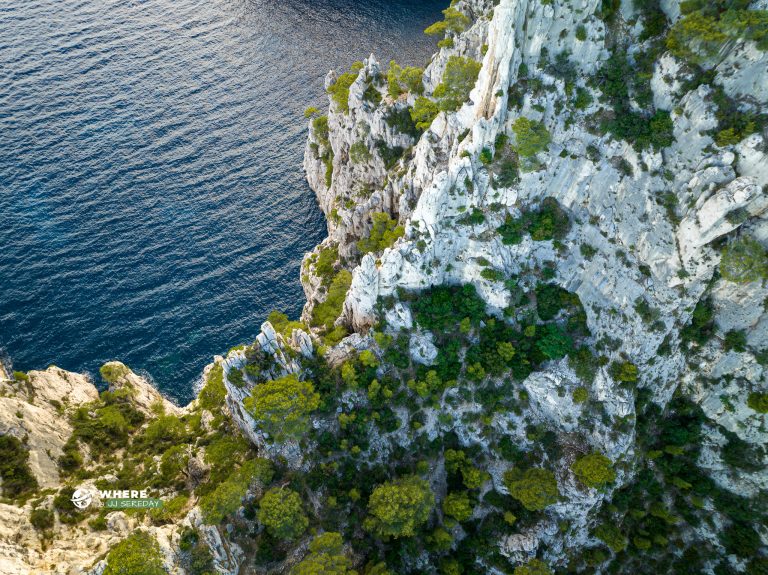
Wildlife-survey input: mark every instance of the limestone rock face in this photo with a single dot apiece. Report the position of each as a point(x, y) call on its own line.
point(645, 234)
point(32, 411)
point(282, 362)
point(35, 411)
point(640, 249)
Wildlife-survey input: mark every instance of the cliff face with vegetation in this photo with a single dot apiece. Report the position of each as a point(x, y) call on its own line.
point(535, 339)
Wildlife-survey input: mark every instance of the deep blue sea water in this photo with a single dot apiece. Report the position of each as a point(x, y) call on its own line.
point(152, 203)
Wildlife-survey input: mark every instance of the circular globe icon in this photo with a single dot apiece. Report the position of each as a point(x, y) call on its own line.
point(82, 498)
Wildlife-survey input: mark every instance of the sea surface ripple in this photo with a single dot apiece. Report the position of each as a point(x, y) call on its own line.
point(152, 203)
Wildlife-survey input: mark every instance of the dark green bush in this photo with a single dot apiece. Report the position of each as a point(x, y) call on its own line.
point(443, 307)
point(401, 120)
point(547, 222)
point(389, 156)
point(18, 480)
point(41, 519)
point(735, 340)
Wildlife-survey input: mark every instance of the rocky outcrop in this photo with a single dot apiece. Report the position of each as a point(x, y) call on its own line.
point(35, 408)
point(639, 249)
point(32, 409)
point(642, 252)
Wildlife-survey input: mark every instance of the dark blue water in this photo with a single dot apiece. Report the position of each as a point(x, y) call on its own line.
point(152, 204)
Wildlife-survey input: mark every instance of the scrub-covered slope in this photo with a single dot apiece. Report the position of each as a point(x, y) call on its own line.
point(535, 339)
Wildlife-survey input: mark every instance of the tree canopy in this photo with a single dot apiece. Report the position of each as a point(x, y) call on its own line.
point(326, 557)
point(398, 508)
point(137, 554)
point(282, 513)
point(594, 470)
point(536, 489)
point(282, 406)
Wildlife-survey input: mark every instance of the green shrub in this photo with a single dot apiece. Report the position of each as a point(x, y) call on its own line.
point(536, 489)
point(443, 307)
point(472, 218)
point(227, 497)
point(486, 156)
point(164, 431)
point(359, 153)
point(654, 18)
point(533, 567)
point(554, 342)
point(530, 137)
point(371, 94)
point(733, 122)
point(98, 523)
point(458, 462)
point(508, 173)
point(15, 472)
point(171, 510)
point(384, 233)
point(587, 251)
point(326, 557)
point(212, 396)
point(744, 260)
point(137, 554)
point(282, 513)
point(584, 363)
point(282, 406)
point(457, 505)
point(389, 156)
point(236, 377)
point(740, 539)
point(41, 519)
point(609, 534)
point(406, 79)
point(173, 461)
point(699, 35)
point(339, 90)
point(197, 558)
point(701, 327)
point(617, 79)
point(550, 299)
point(594, 470)
point(423, 113)
point(458, 80)
point(324, 266)
point(113, 371)
point(223, 452)
point(401, 120)
point(326, 313)
point(580, 395)
point(583, 99)
point(642, 131)
point(398, 508)
point(547, 222)
point(454, 22)
point(758, 401)
point(492, 275)
point(735, 340)
point(624, 371)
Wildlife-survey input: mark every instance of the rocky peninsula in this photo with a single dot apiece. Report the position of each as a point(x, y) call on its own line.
point(535, 339)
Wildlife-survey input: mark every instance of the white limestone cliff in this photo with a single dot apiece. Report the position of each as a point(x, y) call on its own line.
point(641, 251)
